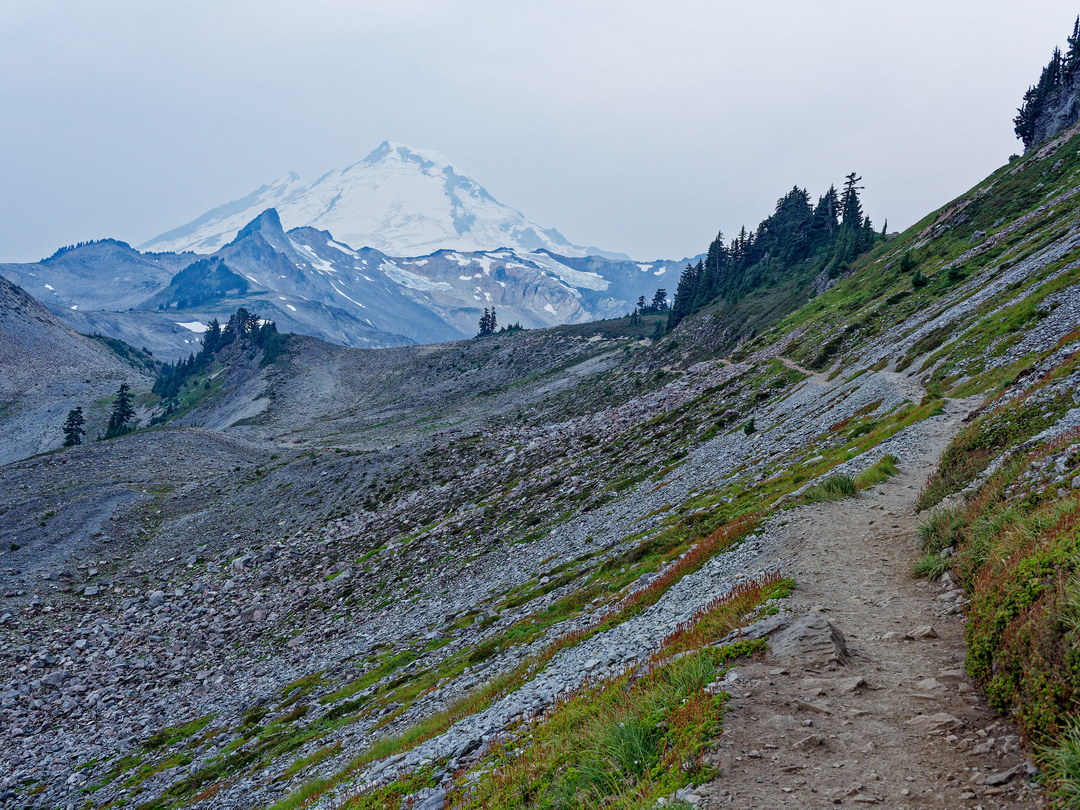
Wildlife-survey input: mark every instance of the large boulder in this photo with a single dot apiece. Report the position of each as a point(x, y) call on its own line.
point(811, 641)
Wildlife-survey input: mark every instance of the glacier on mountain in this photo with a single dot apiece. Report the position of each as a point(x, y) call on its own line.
point(398, 200)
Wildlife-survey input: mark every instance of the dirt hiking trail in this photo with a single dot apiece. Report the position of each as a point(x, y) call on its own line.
point(898, 723)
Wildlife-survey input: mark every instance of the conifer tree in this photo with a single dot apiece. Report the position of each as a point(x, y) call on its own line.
point(73, 427)
point(1072, 55)
point(826, 213)
point(715, 273)
point(850, 206)
point(659, 301)
point(685, 293)
point(211, 339)
point(487, 322)
point(122, 413)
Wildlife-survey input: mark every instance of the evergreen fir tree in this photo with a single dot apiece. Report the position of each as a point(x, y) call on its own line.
point(685, 293)
point(487, 322)
point(211, 339)
point(1072, 55)
point(850, 205)
point(1036, 97)
point(826, 214)
point(659, 301)
point(73, 427)
point(716, 271)
point(122, 413)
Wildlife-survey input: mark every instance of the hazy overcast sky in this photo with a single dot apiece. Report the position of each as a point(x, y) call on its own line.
point(641, 127)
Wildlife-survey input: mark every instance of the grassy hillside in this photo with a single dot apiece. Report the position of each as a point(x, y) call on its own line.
point(969, 283)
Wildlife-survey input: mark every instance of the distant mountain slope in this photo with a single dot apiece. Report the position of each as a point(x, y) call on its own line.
point(97, 275)
point(312, 284)
point(398, 200)
point(48, 369)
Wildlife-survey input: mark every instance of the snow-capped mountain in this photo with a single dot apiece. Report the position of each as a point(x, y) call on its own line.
point(309, 282)
point(398, 200)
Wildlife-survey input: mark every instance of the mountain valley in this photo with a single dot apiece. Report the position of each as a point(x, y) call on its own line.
point(807, 537)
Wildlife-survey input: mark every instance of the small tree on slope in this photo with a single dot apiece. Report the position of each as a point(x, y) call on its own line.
point(122, 413)
point(73, 427)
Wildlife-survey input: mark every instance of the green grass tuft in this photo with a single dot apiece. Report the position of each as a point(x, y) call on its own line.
point(883, 470)
point(930, 566)
point(834, 488)
point(1062, 764)
point(941, 530)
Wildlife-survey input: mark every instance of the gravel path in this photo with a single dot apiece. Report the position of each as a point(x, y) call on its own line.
point(778, 546)
point(900, 724)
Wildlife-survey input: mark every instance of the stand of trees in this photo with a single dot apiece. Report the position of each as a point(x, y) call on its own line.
point(242, 326)
point(799, 238)
point(489, 325)
point(659, 304)
point(487, 322)
point(1057, 73)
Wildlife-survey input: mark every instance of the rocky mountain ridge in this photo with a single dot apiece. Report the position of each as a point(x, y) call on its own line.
point(310, 283)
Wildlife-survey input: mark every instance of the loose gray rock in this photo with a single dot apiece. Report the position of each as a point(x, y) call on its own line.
point(812, 641)
point(934, 723)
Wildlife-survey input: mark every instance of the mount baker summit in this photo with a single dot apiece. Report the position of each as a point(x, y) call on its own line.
point(398, 200)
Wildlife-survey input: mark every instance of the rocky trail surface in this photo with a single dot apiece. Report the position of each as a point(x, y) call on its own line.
point(881, 712)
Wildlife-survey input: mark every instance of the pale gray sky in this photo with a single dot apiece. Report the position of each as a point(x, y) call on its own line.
point(641, 127)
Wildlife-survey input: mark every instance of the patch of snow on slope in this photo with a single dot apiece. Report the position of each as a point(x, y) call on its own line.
point(343, 248)
point(317, 263)
point(575, 278)
point(412, 280)
point(194, 326)
point(343, 295)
